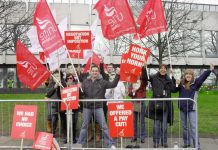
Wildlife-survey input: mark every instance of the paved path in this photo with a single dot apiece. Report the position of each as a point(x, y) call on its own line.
point(206, 143)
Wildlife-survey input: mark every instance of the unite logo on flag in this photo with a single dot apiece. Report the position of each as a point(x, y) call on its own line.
point(48, 30)
point(115, 17)
point(31, 68)
point(48, 33)
point(150, 15)
point(151, 19)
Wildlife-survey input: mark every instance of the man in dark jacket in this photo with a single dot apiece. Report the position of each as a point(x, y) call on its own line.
point(95, 88)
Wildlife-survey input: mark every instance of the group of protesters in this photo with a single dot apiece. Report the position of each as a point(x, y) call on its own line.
point(101, 84)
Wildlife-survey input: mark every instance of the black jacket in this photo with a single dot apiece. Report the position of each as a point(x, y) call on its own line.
point(54, 93)
point(162, 86)
point(96, 90)
point(104, 75)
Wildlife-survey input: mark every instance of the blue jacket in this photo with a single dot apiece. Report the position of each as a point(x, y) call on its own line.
point(188, 105)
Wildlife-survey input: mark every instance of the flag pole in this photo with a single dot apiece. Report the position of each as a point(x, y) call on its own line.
point(145, 60)
point(21, 144)
point(80, 51)
point(169, 50)
point(56, 80)
point(74, 69)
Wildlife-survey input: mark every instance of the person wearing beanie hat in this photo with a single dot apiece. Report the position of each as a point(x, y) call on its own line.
point(188, 88)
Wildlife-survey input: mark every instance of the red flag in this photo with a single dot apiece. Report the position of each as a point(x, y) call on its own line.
point(151, 19)
point(48, 34)
point(116, 18)
point(95, 60)
point(30, 71)
point(42, 56)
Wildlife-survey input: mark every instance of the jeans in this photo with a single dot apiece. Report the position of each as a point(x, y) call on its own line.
point(160, 130)
point(191, 117)
point(141, 116)
point(100, 118)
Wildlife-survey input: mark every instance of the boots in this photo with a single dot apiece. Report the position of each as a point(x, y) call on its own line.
point(97, 132)
point(54, 124)
point(49, 126)
point(90, 133)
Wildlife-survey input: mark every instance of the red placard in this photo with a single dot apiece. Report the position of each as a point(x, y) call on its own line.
point(76, 54)
point(126, 76)
point(121, 119)
point(24, 122)
point(43, 141)
point(135, 59)
point(71, 96)
point(78, 40)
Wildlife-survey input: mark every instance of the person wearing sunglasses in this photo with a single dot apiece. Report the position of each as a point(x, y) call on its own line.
point(70, 80)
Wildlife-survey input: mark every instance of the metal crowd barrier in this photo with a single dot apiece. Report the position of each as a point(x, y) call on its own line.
point(6, 116)
point(174, 141)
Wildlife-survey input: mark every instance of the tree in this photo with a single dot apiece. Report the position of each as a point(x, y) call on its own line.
point(15, 22)
point(212, 43)
point(181, 22)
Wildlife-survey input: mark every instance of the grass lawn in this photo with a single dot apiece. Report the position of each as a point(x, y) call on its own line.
point(207, 106)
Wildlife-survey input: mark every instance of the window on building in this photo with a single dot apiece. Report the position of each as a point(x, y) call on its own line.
point(212, 8)
point(192, 42)
point(211, 43)
point(206, 8)
point(200, 7)
point(194, 7)
point(216, 8)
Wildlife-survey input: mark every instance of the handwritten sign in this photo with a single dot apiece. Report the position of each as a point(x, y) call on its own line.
point(70, 95)
point(121, 119)
point(24, 122)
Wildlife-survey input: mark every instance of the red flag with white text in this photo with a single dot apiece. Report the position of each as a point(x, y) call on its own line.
point(30, 71)
point(151, 19)
point(116, 18)
point(48, 33)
